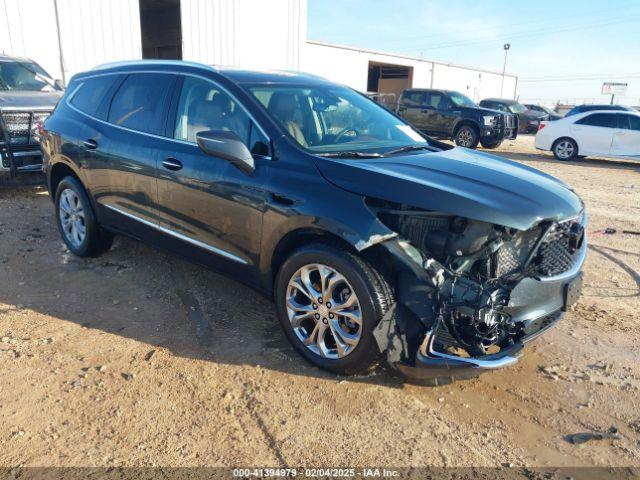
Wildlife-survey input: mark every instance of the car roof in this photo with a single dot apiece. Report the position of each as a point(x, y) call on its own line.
point(580, 115)
point(605, 105)
point(232, 73)
point(595, 106)
point(501, 100)
point(10, 58)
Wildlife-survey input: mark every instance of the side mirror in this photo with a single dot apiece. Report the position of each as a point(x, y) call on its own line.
point(227, 145)
point(58, 83)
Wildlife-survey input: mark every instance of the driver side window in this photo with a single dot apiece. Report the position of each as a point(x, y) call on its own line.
point(202, 106)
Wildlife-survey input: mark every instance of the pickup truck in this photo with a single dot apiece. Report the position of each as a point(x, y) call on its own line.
point(28, 95)
point(451, 115)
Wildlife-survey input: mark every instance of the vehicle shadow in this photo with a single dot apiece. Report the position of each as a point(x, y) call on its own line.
point(149, 296)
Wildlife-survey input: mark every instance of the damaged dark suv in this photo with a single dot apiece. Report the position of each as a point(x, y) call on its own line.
point(371, 237)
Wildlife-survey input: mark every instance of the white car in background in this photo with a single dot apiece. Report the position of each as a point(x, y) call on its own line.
point(601, 133)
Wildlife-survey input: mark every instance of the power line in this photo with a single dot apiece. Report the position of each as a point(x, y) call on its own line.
point(580, 75)
point(529, 33)
point(580, 80)
point(501, 26)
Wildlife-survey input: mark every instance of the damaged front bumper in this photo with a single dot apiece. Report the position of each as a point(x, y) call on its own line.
point(419, 345)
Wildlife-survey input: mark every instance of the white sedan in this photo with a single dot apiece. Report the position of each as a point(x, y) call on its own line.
point(602, 133)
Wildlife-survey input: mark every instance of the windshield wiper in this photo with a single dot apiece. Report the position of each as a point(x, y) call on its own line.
point(412, 148)
point(351, 155)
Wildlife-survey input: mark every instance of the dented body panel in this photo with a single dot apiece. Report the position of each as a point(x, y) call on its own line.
point(460, 182)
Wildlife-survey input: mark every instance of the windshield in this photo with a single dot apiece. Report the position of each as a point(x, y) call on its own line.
point(25, 76)
point(331, 119)
point(517, 108)
point(461, 100)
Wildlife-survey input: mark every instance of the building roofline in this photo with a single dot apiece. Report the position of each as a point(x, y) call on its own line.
point(408, 57)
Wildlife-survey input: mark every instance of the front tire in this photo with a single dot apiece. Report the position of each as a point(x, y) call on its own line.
point(77, 222)
point(466, 136)
point(565, 149)
point(490, 144)
point(329, 301)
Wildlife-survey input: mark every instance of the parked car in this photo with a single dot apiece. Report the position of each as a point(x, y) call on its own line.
point(602, 133)
point(27, 97)
point(542, 110)
point(452, 115)
point(591, 107)
point(370, 236)
point(528, 120)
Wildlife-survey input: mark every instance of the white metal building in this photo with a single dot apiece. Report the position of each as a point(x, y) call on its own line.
point(68, 36)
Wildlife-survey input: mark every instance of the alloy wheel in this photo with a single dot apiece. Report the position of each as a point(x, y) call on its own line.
point(565, 149)
point(324, 311)
point(72, 217)
point(465, 137)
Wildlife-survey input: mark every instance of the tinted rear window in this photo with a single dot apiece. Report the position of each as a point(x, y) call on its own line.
point(629, 122)
point(413, 98)
point(139, 102)
point(90, 98)
point(608, 120)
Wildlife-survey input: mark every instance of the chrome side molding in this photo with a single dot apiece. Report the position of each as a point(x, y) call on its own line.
point(180, 236)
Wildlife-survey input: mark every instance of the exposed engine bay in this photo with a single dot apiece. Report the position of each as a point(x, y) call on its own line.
point(472, 268)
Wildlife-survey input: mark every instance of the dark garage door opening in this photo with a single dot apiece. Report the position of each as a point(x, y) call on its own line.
point(389, 79)
point(161, 29)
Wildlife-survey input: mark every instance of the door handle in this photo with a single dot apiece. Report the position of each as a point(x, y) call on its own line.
point(172, 164)
point(282, 199)
point(90, 143)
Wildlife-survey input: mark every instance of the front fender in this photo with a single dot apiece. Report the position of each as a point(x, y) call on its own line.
point(341, 214)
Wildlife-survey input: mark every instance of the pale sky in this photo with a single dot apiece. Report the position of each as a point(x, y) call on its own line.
point(560, 50)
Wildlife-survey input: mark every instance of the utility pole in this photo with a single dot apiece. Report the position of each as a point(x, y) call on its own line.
point(55, 7)
point(504, 66)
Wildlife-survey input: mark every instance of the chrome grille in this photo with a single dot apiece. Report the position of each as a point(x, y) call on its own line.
point(20, 126)
point(509, 121)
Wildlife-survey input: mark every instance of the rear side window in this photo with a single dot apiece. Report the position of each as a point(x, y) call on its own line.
point(629, 122)
point(413, 99)
point(90, 98)
point(139, 102)
point(607, 120)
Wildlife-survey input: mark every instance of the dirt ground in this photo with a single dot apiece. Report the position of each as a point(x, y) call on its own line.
point(139, 358)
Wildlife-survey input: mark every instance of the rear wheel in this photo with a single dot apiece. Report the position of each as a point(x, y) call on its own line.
point(77, 222)
point(490, 144)
point(466, 136)
point(565, 149)
point(329, 301)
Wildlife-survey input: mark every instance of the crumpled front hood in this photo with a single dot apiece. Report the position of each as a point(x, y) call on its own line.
point(27, 99)
point(460, 182)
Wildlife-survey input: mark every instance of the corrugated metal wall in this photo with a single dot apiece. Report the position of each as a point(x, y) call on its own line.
point(92, 32)
point(28, 29)
point(245, 33)
point(98, 31)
